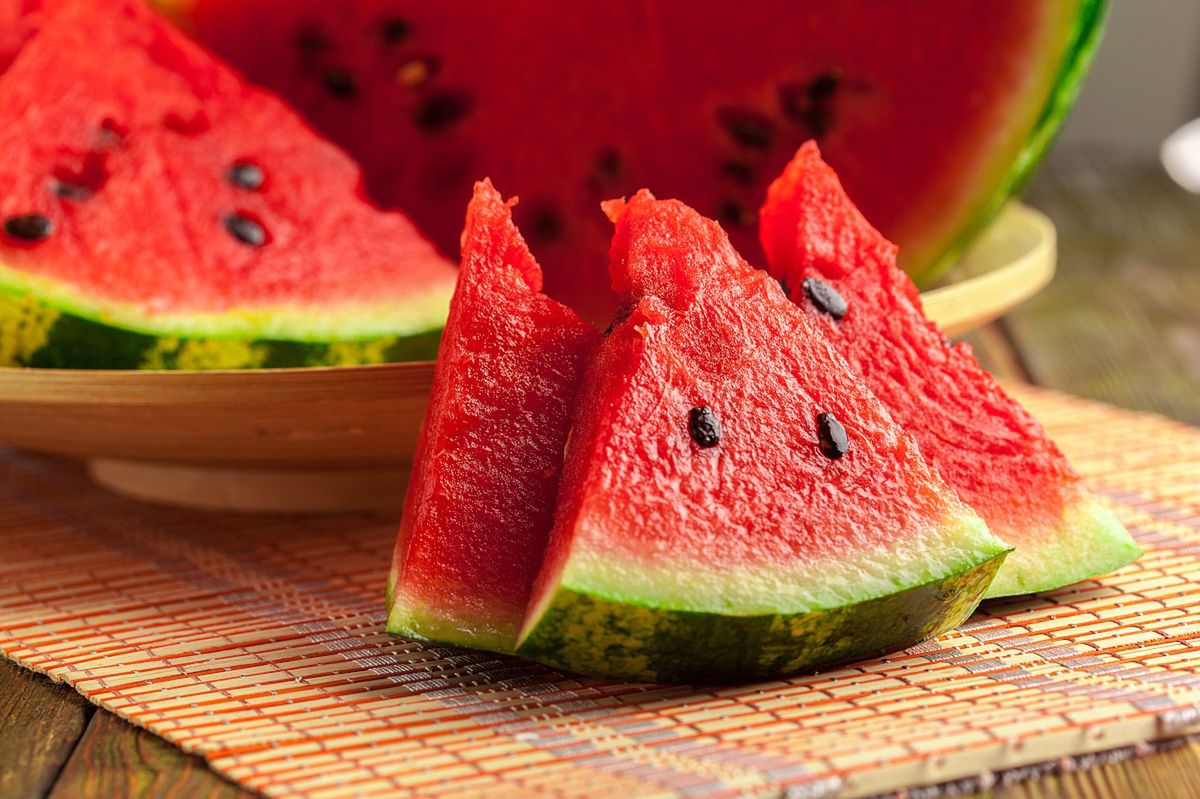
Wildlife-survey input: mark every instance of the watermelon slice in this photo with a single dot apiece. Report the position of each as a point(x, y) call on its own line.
point(843, 273)
point(734, 502)
point(481, 496)
point(160, 212)
point(932, 116)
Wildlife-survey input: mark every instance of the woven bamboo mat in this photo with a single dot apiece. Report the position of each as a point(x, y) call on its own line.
point(258, 642)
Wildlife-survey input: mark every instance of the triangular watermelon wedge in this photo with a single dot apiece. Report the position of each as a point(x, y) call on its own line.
point(158, 211)
point(481, 496)
point(734, 502)
point(843, 273)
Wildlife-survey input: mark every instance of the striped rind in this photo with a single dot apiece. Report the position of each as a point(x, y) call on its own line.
point(1082, 39)
point(604, 618)
point(592, 634)
point(33, 333)
point(420, 309)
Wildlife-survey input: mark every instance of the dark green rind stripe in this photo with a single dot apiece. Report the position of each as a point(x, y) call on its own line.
point(1083, 41)
point(595, 635)
point(31, 334)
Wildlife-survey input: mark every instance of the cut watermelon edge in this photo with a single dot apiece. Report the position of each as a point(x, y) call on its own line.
point(598, 616)
point(587, 633)
point(1087, 540)
point(1083, 39)
point(348, 321)
point(47, 334)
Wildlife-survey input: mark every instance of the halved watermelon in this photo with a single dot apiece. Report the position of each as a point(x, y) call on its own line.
point(481, 496)
point(160, 212)
point(843, 273)
point(932, 112)
point(734, 502)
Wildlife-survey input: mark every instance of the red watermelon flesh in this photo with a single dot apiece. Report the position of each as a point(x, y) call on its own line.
point(707, 529)
point(985, 445)
point(924, 112)
point(124, 134)
point(19, 20)
point(481, 496)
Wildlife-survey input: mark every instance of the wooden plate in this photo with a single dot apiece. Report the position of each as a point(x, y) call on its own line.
point(341, 438)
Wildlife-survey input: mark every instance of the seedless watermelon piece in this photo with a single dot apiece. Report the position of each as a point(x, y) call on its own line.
point(995, 455)
point(734, 502)
point(481, 497)
point(159, 211)
point(934, 111)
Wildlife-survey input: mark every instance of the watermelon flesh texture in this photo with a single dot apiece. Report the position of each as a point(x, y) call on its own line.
point(932, 117)
point(757, 555)
point(995, 455)
point(481, 497)
point(124, 136)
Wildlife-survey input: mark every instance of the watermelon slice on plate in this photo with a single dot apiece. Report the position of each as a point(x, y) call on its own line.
point(843, 273)
point(160, 212)
point(734, 502)
point(933, 113)
point(481, 495)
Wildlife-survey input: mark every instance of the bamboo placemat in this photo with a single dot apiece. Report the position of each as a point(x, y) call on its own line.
point(258, 642)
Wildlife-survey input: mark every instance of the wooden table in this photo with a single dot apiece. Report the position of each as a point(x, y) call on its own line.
point(1120, 323)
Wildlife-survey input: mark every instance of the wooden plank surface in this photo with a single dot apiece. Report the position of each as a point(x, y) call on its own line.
point(1120, 323)
point(115, 759)
point(40, 723)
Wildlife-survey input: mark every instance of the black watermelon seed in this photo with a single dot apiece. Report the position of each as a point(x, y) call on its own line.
point(812, 104)
point(245, 175)
point(339, 83)
point(608, 164)
point(28, 227)
point(787, 290)
point(245, 230)
point(738, 172)
point(831, 436)
point(393, 31)
point(704, 426)
point(440, 111)
point(546, 224)
point(747, 128)
point(69, 191)
point(825, 86)
point(312, 39)
point(825, 297)
point(734, 213)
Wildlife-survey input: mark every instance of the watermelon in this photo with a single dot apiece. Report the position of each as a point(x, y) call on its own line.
point(481, 495)
point(843, 273)
point(933, 112)
point(734, 502)
point(160, 212)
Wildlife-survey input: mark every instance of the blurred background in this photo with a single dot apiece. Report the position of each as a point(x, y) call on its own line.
point(1121, 321)
point(1145, 82)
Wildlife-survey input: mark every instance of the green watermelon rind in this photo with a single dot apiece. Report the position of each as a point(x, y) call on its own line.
point(57, 330)
point(591, 626)
point(411, 620)
point(1082, 42)
point(591, 634)
point(1087, 540)
point(416, 619)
